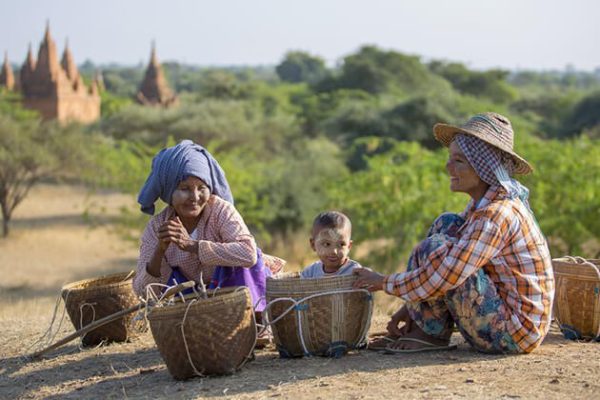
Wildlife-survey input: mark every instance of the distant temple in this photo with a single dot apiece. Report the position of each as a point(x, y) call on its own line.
point(7, 78)
point(54, 89)
point(154, 90)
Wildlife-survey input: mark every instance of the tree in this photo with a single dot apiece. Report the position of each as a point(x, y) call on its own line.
point(566, 205)
point(298, 66)
point(491, 84)
point(376, 71)
point(413, 119)
point(111, 104)
point(221, 84)
point(31, 151)
point(549, 111)
point(583, 116)
point(19, 165)
point(122, 81)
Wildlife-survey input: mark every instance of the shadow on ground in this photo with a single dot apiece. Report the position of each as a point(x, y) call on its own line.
point(69, 220)
point(120, 370)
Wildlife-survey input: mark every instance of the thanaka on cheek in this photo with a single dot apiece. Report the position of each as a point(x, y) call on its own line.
point(331, 242)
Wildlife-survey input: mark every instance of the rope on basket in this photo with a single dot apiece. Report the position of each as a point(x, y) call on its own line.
point(49, 336)
point(187, 349)
point(81, 307)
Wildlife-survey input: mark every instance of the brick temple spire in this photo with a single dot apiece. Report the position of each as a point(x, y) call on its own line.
point(56, 89)
point(68, 64)
point(154, 90)
point(30, 61)
point(47, 62)
point(7, 77)
point(27, 71)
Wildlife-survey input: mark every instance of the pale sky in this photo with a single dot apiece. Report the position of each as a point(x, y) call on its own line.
point(511, 34)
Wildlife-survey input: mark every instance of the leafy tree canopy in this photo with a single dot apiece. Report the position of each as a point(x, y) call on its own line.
point(490, 84)
point(299, 66)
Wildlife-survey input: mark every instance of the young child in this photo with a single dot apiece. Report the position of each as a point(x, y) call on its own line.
point(330, 239)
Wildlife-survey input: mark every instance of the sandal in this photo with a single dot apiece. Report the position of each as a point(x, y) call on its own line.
point(378, 343)
point(264, 339)
point(427, 346)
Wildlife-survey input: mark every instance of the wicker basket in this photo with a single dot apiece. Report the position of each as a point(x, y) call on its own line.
point(211, 336)
point(328, 316)
point(577, 302)
point(89, 300)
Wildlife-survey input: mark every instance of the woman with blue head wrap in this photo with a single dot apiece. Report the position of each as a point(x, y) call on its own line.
point(174, 164)
point(487, 270)
point(199, 236)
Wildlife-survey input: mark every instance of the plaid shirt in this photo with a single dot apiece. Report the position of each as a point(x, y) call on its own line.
point(501, 236)
point(224, 240)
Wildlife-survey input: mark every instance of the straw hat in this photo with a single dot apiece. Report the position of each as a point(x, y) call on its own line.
point(493, 129)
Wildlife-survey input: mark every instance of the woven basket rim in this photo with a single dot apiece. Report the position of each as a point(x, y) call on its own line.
point(99, 284)
point(222, 297)
point(570, 267)
point(295, 279)
point(569, 260)
point(310, 285)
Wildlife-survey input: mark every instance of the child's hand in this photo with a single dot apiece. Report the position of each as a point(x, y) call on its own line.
point(367, 279)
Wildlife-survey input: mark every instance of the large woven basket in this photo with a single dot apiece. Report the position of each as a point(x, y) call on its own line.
point(577, 302)
point(211, 336)
point(89, 300)
point(325, 316)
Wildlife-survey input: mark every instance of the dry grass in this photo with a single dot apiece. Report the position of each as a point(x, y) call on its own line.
point(52, 244)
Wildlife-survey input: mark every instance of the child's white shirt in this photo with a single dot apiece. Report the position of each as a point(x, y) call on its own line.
point(315, 270)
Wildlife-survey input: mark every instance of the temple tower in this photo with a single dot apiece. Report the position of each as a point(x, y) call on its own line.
point(56, 89)
point(7, 78)
point(154, 90)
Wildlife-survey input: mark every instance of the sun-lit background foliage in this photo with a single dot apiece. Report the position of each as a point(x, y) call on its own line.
point(301, 137)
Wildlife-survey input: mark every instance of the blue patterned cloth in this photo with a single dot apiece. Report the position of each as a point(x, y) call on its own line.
point(475, 307)
point(174, 164)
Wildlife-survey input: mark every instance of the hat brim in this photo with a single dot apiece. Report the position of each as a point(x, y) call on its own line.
point(445, 133)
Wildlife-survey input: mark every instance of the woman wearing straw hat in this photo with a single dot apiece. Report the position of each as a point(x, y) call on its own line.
point(200, 236)
point(488, 270)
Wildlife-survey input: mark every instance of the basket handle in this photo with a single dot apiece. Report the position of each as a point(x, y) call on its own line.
point(173, 290)
point(583, 261)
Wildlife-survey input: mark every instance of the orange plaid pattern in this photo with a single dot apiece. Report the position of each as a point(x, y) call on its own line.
point(500, 236)
point(224, 240)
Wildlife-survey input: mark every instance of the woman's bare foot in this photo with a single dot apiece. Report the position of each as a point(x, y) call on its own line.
point(412, 331)
point(393, 327)
point(380, 341)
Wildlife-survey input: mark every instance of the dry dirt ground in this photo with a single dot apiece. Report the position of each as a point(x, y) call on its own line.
point(52, 244)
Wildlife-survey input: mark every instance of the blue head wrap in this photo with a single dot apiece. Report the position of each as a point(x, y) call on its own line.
point(174, 164)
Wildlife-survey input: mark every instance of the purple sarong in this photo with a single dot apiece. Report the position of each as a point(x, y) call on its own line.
point(254, 278)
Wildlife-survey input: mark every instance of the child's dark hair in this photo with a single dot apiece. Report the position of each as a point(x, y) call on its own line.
point(331, 219)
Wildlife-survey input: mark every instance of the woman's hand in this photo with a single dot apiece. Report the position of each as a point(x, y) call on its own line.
point(174, 232)
point(367, 279)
